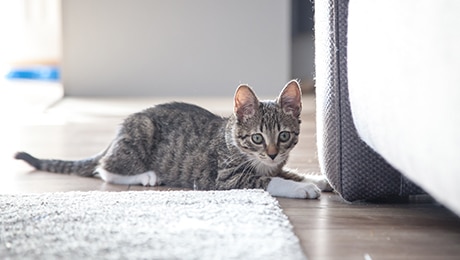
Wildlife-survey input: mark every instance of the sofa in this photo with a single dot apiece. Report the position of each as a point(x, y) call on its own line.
point(388, 98)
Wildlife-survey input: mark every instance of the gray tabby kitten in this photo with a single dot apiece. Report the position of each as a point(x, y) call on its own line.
point(183, 145)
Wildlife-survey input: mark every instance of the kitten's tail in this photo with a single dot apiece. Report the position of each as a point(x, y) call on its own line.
point(85, 167)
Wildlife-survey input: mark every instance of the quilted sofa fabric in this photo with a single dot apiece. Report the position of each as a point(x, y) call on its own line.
point(354, 170)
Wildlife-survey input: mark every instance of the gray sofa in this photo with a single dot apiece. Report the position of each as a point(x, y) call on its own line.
point(387, 102)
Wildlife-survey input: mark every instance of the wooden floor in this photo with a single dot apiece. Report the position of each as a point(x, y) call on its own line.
point(328, 228)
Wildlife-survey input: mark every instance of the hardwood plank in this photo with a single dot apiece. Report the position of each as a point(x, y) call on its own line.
point(331, 229)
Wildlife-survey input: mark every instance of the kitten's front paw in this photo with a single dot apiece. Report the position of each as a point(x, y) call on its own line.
point(308, 191)
point(320, 181)
point(287, 188)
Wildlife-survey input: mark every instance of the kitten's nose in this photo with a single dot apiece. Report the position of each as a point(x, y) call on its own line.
point(272, 151)
point(273, 156)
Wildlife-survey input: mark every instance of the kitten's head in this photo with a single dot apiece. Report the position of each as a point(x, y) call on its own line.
point(267, 130)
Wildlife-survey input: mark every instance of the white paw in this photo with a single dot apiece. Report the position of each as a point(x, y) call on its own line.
point(308, 191)
point(320, 181)
point(148, 178)
point(287, 188)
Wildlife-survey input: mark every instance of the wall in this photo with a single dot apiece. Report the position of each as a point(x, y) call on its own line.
point(174, 48)
point(30, 32)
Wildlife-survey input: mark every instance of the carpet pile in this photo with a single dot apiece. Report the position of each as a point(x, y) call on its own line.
point(236, 224)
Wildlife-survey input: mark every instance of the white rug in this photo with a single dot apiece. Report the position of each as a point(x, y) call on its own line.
point(237, 224)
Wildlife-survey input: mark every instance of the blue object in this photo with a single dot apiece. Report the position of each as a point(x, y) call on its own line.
point(35, 73)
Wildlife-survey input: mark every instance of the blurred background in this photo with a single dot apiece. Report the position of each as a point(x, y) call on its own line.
point(157, 47)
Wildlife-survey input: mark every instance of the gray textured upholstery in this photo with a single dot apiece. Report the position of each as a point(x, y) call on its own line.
point(353, 168)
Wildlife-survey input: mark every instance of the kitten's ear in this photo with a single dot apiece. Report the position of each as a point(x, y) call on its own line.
point(290, 98)
point(245, 103)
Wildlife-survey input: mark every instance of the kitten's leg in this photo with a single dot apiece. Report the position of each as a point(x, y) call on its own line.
point(281, 187)
point(147, 178)
point(276, 186)
point(126, 159)
point(319, 180)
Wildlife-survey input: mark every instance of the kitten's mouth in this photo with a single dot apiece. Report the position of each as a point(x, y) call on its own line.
point(270, 162)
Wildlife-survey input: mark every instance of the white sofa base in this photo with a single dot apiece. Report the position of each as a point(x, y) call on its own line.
point(404, 88)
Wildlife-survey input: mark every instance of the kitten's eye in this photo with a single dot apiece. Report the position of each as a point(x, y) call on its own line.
point(284, 136)
point(257, 138)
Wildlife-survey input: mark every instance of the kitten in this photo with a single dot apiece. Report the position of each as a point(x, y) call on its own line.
point(183, 145)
